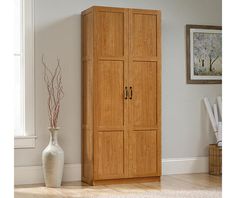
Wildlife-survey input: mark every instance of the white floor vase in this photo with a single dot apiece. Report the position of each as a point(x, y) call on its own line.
point(53, 161)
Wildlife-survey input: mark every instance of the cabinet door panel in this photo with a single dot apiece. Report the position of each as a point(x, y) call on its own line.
point(110, 101)
point(143, 153)
point(109, 155)
point(144, 38)
point(110, 38)
point(144, 88)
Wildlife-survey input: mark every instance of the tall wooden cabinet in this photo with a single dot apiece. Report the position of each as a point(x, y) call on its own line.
point(121, 71)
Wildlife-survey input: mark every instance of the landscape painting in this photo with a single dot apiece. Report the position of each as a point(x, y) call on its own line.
point(204, 54)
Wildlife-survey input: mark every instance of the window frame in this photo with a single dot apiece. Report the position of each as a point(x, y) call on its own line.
point(28, 139)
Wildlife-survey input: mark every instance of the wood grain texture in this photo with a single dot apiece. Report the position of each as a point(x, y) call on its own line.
point(173, 183)
point(110, 100)
point(109, 155)
point(121, 136)
point(87, 95)
point(142, 153)
point(110, 38)
point(110, 107)
point(144, 38)
point(143, 78)
point(145, 105)
point(126, 180)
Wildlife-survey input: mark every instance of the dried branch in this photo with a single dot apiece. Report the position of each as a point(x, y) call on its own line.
point(54, 86)
point(214, 60)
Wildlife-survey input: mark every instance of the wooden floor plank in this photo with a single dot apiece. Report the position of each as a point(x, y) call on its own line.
point(79, 189)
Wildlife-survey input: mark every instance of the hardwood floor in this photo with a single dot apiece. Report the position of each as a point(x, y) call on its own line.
point(78, 189)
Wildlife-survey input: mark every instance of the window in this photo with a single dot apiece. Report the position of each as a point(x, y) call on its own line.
point(24, 73)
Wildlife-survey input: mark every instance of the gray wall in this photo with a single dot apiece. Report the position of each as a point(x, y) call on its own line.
point(185, 127)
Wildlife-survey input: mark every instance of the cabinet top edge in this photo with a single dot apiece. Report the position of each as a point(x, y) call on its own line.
point(98, 8)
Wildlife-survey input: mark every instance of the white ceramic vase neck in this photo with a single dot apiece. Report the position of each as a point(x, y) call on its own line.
point(53, 135)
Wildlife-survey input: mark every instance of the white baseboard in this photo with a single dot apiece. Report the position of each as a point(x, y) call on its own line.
point(173, 166)
point(72, 172)
point(34, 174)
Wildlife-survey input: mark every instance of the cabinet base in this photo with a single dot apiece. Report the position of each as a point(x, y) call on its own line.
point(125, 180)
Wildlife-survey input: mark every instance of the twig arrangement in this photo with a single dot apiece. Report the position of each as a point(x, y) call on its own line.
point(53, 82)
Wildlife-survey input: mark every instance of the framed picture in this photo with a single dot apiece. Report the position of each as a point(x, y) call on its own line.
point(204, 54)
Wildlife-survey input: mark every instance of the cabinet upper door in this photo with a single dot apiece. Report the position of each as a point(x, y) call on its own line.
point(110, 77)
point(145, 84)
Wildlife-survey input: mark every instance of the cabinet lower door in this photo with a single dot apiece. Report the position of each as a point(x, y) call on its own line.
point(144, 131)
point(110, 118)
point(109, 155)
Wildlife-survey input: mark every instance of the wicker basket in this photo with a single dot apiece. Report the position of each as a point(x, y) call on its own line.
point(215, 159)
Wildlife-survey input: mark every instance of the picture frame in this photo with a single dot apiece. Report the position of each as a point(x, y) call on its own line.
point(204, 54)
